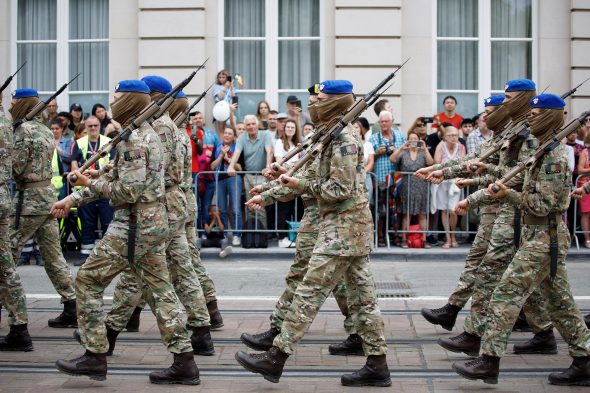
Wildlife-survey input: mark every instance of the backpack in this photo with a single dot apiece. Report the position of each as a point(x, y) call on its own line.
point(254, 239)
point(415, 239)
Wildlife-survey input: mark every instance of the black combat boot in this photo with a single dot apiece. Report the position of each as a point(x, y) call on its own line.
point(521, 325)
point(67, 319)
point(464, 342)
point(486, 368)
point(541, 343)
point(587, 321)
point(183, 371)
point(201, 341)
point(261, 341)
point(353, 345)
point(270, 363)
point(133, 323)
point(92, 365)
point(18, 339)
point(111, 337)
point(215, 316)
point(444, 316)
point(374, 373)
point(578, 374)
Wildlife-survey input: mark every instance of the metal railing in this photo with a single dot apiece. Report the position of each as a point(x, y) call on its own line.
point(575, 231)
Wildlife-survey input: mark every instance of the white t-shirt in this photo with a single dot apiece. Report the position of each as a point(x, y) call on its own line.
point(367, 151)
point(280, 151)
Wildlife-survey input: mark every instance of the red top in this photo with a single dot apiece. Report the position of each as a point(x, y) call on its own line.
point(194, 148)
point(443, 118)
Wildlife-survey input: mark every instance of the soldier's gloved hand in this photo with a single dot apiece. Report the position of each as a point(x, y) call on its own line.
point(255, 203)
point(462, 183)
point(60, 209)
point(288, 181)
point(81, 180)
point(502, 190)
point(422, 173)
point(578, 193)
point(461, 208)
point(479, 167)
point(256, 190)
point(435, 177)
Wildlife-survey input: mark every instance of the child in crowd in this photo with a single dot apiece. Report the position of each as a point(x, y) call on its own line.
point(214, 236)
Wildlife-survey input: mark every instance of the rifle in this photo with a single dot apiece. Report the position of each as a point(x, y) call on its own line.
point(547, 147)
point(41, 105)
point(184, 114)
point(9, 79)
point(349, 116)
point(572, 91)
point(148, 114)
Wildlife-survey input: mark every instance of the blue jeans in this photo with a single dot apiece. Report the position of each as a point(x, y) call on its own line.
point(230, 188)
point(88, 217)
point(204, 202)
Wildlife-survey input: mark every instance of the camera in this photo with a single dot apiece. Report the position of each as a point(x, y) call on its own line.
point(234, 99)
point(420, 144)
point(428, 119)
point(229, 78)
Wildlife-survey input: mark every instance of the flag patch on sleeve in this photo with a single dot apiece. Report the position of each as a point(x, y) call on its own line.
point(132, 155)
point(348, 150)
point(552, 168)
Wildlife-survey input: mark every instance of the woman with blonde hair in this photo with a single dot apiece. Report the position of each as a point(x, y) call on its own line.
point(262, 114)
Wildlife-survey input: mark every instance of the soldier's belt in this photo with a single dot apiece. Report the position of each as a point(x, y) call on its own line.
point(35, 184)
point(138, 205)
point(535, 220)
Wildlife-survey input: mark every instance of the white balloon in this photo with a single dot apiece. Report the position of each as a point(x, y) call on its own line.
point(221, 111)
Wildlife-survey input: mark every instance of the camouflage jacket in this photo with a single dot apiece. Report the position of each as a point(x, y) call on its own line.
point(32, 155)
point(547, 190)
point(5, 163)
point(137, 174)
point(451, 171)
point(186, 185)
point(176, 204)
point(346, 226)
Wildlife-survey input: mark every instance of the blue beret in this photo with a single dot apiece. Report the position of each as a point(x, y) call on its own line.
point(132, 86)
point(547, 101)
point(157, 83)
point(24, 93)
point(495, 100)
point(181, 94)
point(337, 86)
point(520, 85)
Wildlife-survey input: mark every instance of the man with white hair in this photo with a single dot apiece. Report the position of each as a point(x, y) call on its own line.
point(384, 142)
point(256, 146)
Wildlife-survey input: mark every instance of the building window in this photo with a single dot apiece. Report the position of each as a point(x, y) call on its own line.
point(275, 46)
point(76, 33)
point(480, 45)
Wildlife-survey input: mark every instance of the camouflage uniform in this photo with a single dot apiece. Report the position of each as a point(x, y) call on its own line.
point(546, 192)
point(184, 279)
point(453, 169)
point(191, 234)
point(137, 177)
point(305, 243)
point(342, 248)
point(31, 170)
point(501, 247)
point(12, 295)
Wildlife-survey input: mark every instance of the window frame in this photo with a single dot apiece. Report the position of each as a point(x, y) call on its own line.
point(62, 41)
point(271, 50)
point(484, 39)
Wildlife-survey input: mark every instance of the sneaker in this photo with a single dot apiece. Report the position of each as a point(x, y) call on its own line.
point(85, 251)
point(236, 241)
point(225, 252)
point(286, 243)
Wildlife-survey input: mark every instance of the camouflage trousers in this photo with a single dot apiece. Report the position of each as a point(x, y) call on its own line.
point(206, 282)
point(323, 273)
point(478, 250)
point(500, 252)
point(304, 248)
point(128, 292)
point(12, 294)
point(46, 231)
point(108, 259)
point(529, 271)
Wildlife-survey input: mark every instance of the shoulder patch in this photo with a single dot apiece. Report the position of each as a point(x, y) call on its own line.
point(348, 150)
point(552, 168)
point(163, 137)
point(132, 155)
point(532, 143)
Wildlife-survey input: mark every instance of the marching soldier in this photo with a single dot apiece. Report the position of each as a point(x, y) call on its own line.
point(539, 262)
point(12, 295)
point(32, 156)
point(342, 249)
point(135, 188)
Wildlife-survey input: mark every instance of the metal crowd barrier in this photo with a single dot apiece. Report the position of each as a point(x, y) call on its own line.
point(577, 232)
point(464, 223)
